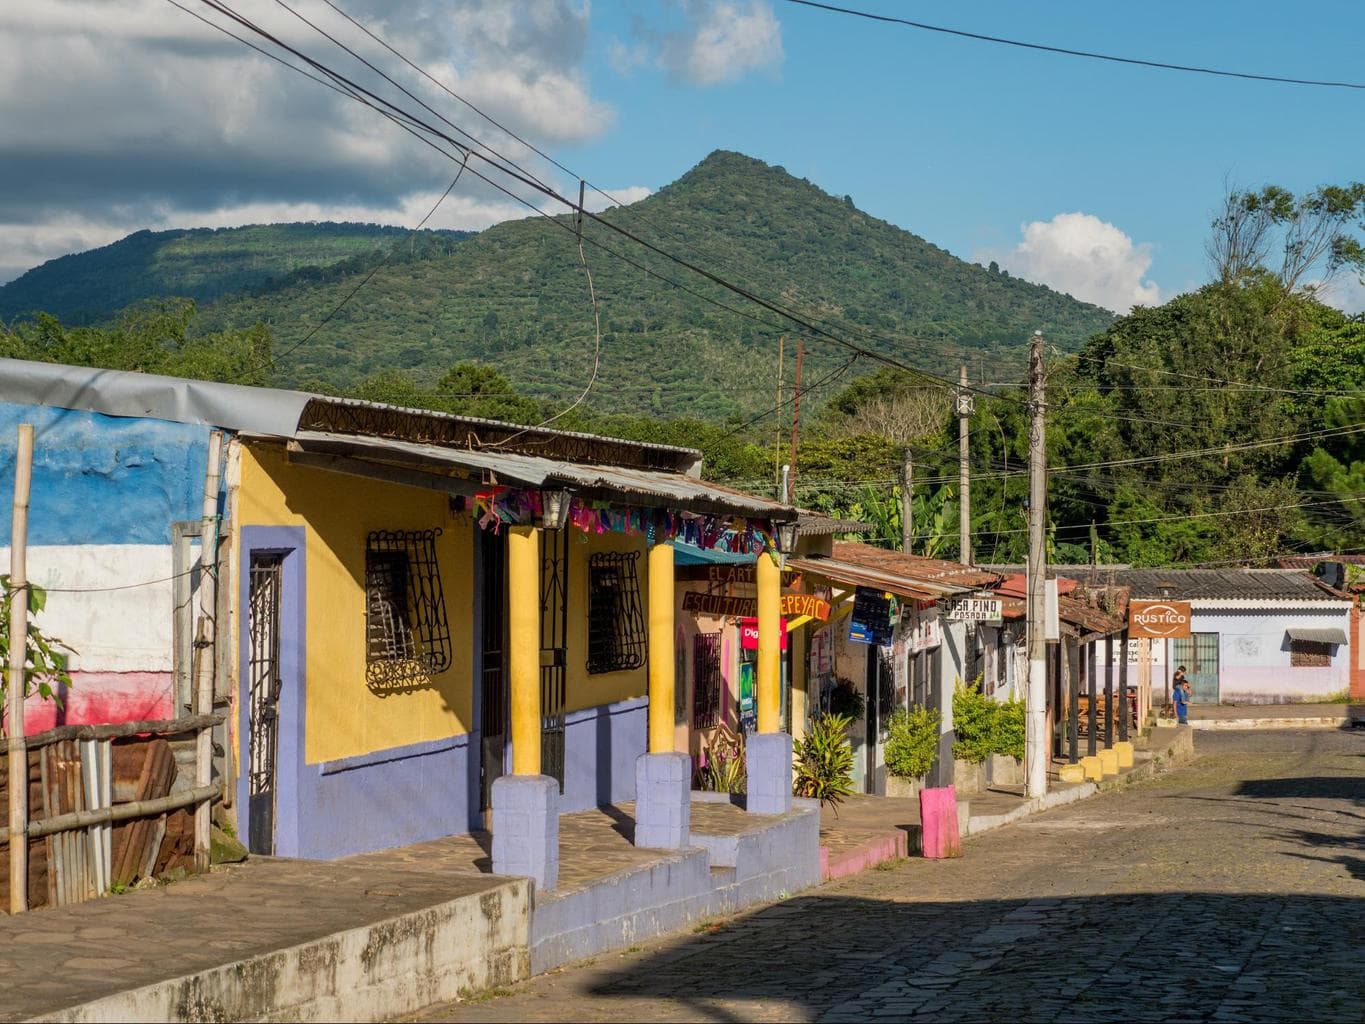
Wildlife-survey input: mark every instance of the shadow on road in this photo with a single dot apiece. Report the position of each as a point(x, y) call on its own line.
point(1311, 787)
point(1138, 956)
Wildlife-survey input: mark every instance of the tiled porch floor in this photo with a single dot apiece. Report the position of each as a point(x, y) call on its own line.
point(593, 845)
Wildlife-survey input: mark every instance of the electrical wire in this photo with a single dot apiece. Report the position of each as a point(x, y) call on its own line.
point(1066, 51)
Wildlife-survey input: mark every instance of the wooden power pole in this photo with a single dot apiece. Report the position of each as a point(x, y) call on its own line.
point(796, 420)
point(907, 500)
point(15, 682)
point(964, 417)
point(1035, 732)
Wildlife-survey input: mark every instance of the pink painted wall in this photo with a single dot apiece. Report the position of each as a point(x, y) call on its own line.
point(100, 697)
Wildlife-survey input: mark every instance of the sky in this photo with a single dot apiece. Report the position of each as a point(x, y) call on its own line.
point(1094, 178)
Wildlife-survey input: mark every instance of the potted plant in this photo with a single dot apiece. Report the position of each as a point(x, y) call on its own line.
point(911, 746)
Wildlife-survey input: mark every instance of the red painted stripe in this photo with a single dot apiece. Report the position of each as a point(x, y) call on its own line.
point(99, 698)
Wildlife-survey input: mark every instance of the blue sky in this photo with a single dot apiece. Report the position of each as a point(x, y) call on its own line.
point(120, 114)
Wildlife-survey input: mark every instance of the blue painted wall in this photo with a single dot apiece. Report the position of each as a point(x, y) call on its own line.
point(103, 479)
point(600, 748)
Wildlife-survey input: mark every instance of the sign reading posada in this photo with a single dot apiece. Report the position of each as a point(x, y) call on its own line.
point(1159, 620)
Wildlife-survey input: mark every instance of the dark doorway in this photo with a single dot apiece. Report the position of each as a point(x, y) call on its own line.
point(263, 669)
point(493, 676)
point(554, 655)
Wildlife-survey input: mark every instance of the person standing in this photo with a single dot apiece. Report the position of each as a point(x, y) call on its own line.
point(1180, 696)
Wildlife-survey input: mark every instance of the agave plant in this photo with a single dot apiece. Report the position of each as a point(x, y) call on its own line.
point(824, 760)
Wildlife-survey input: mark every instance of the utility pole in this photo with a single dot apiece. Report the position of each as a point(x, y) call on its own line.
point(964, 416)
point(1035, 733)
point(796, 420)
point(907, 499)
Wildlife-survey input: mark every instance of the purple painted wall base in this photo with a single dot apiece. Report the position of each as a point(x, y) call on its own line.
point(600, 748)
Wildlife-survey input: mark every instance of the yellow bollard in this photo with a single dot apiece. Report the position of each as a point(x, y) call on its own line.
point(1109, 761)
point(1091, 766)
point(662, 656)
point(769, 644)
point(1071, 773)
point(523, 653)
point(1124, 750)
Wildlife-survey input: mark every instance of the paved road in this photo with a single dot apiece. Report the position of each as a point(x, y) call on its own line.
point(1233, 889)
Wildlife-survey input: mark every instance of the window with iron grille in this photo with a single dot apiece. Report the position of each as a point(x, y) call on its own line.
point(706, 680)
point(616, 621)
point(407, 634)
point(1310, 654)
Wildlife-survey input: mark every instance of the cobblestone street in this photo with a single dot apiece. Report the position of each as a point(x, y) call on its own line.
point(1228, 890)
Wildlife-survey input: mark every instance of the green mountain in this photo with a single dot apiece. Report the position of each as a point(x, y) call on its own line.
point(198, 263)
point(516, 297)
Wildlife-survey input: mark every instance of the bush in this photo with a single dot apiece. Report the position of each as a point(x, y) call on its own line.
point(824, 760)
point(984, 726)
point(724, 771)
point(912, 742)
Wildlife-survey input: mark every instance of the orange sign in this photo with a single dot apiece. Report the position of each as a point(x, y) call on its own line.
point(1159, 620)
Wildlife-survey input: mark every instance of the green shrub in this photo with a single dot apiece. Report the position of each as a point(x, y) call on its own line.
point(724, 771)
point(912, 742)
point(984, 726)
point(824, 760)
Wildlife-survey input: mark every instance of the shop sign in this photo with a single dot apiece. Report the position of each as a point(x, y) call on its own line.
point(872, 620)
point(748, 712)
point(791, 605)
point(976, 609)
point(748, 634)
point(1159, 619)
point(928, 635)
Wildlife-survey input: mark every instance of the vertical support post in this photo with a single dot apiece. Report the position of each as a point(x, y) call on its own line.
point(523, 654)
point(768, 754)
point(1123, 686)
point(1092, 709)
point(662, 728)
point(800, 705)
point(907, 500)
point(1109, 690)
point(964, 420)
point(1073, 708)
point(525, 803)
point(796, 421)
point(1035, 733)
point(18, 657)
point(208, 578)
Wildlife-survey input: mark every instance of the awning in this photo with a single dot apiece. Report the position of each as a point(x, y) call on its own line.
point(1317, 635)
point(637, 486)
point(862, 576)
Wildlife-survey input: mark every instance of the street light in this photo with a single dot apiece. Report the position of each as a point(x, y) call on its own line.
point(554, 509)
point(786, 537)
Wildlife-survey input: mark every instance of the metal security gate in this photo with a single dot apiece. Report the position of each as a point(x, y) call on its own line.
point(1199, 655)
point(263, 674)
point(554, 632)
point(493, 675)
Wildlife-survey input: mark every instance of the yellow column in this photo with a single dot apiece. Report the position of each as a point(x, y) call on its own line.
point(769, 644)
point(523, 655)
point(661, 653)
point(800, 681)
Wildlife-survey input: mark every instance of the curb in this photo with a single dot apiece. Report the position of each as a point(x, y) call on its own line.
point(1272, 723)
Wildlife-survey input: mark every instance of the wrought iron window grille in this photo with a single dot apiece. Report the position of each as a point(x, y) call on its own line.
point(706, 680)
point(616, 621)
point(407, 633)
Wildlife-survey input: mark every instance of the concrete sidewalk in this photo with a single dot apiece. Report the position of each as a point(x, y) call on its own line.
point(1276, 716)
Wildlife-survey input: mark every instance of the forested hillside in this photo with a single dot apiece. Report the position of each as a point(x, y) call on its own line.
point(516, 297)
point(198, 263)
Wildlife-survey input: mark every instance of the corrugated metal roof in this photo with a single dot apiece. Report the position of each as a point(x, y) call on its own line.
point(1318, 636)
point(1197, 584)
point(646, 487)
point(813, 524)
point(860, 576)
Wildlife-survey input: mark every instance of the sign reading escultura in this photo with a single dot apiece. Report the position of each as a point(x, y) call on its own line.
point(1159, 620)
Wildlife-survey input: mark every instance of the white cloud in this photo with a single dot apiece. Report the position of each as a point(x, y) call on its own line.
point(1346, 292)
point(625, 57)
point(1084, 256)
point(724, 41)
point(115, 117)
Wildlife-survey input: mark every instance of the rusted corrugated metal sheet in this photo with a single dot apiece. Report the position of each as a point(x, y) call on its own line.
point(861, 576)
point(914, 567)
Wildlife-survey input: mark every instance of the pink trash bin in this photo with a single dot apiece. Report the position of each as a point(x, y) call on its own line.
point(938, 822)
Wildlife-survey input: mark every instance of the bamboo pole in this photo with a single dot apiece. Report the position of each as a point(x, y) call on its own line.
point(117, 730)
point(208, 561)
point(18, 658)
point(76, 820)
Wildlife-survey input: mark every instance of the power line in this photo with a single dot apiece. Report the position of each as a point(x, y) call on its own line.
point(1066, 51)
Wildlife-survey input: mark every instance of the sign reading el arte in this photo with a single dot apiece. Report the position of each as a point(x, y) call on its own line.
point(976, 609)
point(792, 605)
point(1159, 619)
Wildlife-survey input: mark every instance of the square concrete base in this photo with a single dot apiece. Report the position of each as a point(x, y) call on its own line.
point(768, 762)
point(526, 828)
point(663, 801)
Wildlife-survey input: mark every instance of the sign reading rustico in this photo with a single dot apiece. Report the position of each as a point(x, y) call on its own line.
point(1159, 619)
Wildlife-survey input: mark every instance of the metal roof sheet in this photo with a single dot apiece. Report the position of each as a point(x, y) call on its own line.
point(914, 567)
point(1318, 635)
point(671, 490)
point(862, 576)
point(1196, 584)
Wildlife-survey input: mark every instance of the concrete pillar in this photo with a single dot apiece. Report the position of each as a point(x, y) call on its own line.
point(768, 752)
point(663, 777)
point(525, 803)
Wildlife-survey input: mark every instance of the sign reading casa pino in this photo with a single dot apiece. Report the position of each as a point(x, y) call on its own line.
point(1159, 620)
